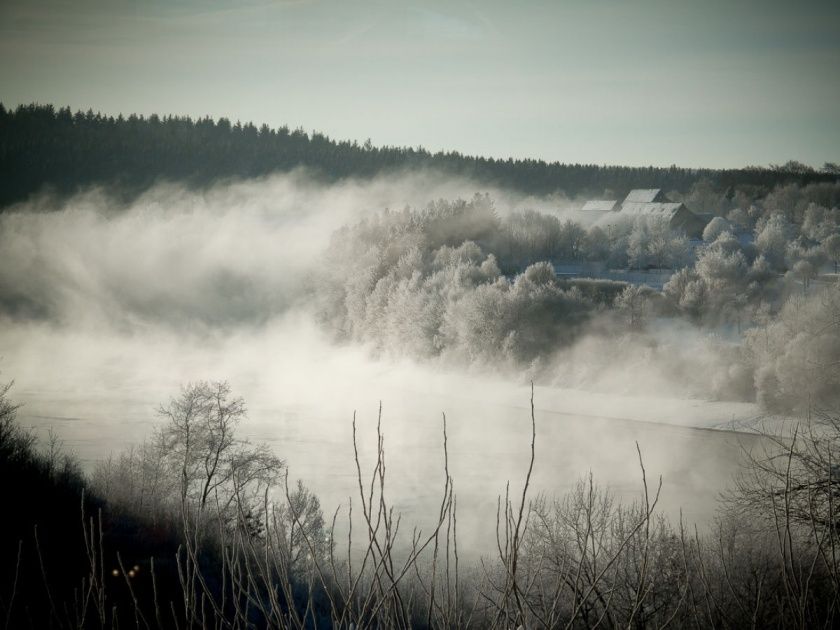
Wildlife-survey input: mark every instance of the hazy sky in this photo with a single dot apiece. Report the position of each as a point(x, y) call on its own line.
point(709, 83)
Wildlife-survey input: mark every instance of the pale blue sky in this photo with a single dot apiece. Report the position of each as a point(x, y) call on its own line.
point(708, 83)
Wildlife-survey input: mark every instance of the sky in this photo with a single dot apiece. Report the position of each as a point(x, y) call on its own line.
point(637, 82)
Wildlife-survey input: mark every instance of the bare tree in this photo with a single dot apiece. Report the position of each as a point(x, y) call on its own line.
point(203, 451)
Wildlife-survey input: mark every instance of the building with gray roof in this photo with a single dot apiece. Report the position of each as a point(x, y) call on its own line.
point(651, 203)
point(600, 205)
point(645, 195)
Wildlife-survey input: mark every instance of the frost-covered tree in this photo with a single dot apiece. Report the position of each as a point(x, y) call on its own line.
point(760, 280)
point(787, 201)
point(687, 292)
point(652, 243)
point(666, 248)
point(722, 267)
point(634, 305)
point(740, 218)
point(638, 242)
point(716, 286)
point(804, 271)
point(820, 223)
point(402, 288)
point(831, 247)
point(705, 198)
point(771, 239)
point(797, 355)
point(571, 240)
point(618, 236)
point(800, 250)
point(516, 321)
point(596, 244)
point(716, 227)
point(529, 236)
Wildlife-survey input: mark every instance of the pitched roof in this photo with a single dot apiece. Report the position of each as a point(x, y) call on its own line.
point(599, 205)
point(644, 195)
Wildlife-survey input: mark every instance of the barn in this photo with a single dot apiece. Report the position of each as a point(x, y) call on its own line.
point(652, 203)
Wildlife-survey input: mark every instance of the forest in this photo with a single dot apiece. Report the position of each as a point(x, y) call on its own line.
point(150, 255)
point(42, 146)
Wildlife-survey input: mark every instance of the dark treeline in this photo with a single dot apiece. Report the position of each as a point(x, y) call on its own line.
point(42, 147)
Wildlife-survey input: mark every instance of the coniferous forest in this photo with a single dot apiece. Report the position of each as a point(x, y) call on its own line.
point(44, 147)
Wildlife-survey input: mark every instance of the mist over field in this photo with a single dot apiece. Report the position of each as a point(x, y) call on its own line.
point(234, 254)
point(109, 308)
point(178, 267)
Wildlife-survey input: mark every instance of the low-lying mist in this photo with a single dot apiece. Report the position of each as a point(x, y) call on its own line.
point(98, 390)
point(237, 256)
point(107, 309)
point(236, 253)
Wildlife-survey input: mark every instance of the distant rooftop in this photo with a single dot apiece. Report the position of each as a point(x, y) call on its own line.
point(599, 205)
point(645, 195)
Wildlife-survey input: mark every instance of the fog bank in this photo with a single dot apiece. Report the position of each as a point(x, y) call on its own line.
point(107, 310)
